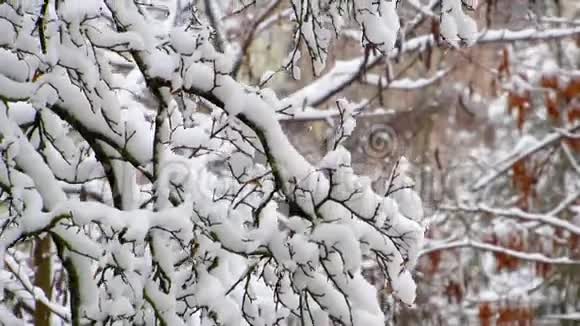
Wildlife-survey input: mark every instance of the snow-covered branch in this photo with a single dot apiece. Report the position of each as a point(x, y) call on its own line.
point(469, 243)
point(546, 219)
point(505, 164)
point(188, 225)
point(344, 73)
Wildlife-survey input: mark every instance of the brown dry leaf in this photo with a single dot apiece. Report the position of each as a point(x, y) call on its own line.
point(504, 66)
point(485, 314)
point(571, 91)
point(549, 82)
point(552, 107)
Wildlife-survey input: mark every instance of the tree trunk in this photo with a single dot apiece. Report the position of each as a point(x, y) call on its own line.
point(43, 278)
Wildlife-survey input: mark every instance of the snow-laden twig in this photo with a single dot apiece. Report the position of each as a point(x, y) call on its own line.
point(405, 84)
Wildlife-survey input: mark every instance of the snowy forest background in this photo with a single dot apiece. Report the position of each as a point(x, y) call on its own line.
point(290, 162)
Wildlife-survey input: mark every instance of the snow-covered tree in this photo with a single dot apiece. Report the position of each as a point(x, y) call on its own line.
point(191, 206)
point(145, 177)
